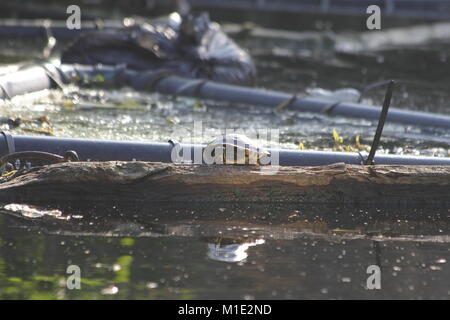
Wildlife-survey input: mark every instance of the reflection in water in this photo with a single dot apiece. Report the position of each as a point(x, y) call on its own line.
point(231, 249)
point(155, 252)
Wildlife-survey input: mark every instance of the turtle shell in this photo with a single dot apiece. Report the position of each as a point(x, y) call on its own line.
point(237, 142)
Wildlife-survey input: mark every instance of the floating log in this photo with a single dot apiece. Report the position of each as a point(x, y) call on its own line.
point(159, 182)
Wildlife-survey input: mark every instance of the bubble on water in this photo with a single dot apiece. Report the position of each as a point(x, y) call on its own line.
point(435, 268)
point(116, 267)
point(111, 290)
point(346, 279)
point(152, 285)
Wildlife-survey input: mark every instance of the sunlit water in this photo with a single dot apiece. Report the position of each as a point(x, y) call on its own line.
point(239, 251)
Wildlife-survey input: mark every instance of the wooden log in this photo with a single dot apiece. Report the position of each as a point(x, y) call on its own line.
point(147, 181)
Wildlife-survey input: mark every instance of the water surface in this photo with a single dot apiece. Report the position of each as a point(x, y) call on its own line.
point(246, 251)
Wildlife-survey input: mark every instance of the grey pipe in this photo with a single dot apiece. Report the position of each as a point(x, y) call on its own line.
point(49, 76)
point(105, 150)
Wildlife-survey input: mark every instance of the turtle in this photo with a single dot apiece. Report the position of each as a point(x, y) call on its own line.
point(244, 150)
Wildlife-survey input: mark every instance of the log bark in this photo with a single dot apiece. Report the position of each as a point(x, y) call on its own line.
point(146, 181)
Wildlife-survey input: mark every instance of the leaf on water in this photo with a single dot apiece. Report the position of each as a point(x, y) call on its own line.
point(173, 120)
point(127, 242)
point(9, 174)
point(359, 146)
point(199, 105)
point(98, 78)
point(340, 146)
point(68, 105)
point(338, 140)
point(45, 131)
point(43, 119)
point(357, 141)
point(130, 104)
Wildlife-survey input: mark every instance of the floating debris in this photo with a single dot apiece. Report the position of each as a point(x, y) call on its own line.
point(29, 211)
point(152, 285)
point(45, 131)
point(9, 174)
point(111, 290)
point(340, 146)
